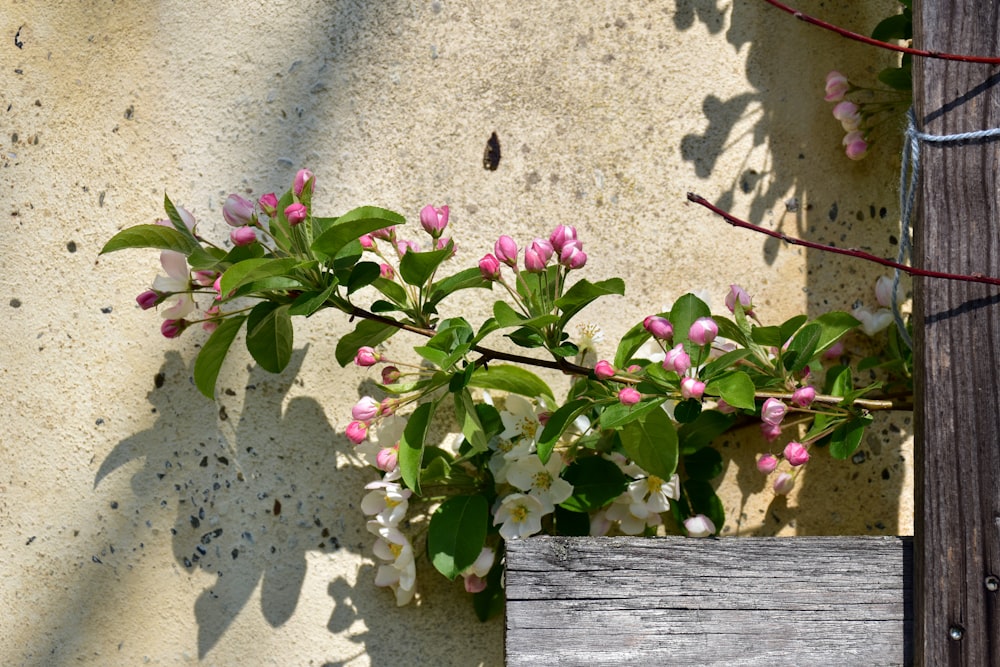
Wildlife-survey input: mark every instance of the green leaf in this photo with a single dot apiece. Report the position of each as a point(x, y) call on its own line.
point(735, 388)
point(457, 533)
point(703, 464)
point(630, 344)
point(801, 348)
point(687, 411)
point(700, 433)
point(898, 26)
point(352, 225)
point(897, 78)
point(269, 336)
point(505, 315)
point(652, 443)
point(176, 220)
point(466, 279)
point(789, 327)
point(559, 422)
point(308, 303)
point(213, 353)
point(416, 268)
point(584, 292)
point(362, 275)
point(393, 290)
point(512, 379)
point(411, 445)
point(846, 437)
point(767, 336)
point(252, 270)
point(618, 414)
point(685, 311)
point(150, 236)
point(717, 366)
point(596, 482)
point(368, 332)
point(834, 325)
point(468, 419)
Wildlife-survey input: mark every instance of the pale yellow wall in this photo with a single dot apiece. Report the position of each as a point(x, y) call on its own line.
point(601, 111)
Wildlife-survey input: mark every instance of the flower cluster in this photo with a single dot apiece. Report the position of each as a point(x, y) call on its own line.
point(629, 448)
point(861, 111)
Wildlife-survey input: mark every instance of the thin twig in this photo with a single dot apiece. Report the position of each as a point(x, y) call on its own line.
point(989, 60)
point(850, 252)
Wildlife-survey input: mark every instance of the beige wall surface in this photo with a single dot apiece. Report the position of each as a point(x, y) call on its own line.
point(138, 521)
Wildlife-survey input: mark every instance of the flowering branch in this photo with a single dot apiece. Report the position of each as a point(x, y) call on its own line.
point(989, 60)
point(850, 252)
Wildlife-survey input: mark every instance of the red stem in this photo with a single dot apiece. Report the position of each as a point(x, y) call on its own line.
point(989, 60)
point(850, 252)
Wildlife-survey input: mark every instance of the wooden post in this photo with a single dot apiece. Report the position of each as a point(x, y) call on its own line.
point(957, 332)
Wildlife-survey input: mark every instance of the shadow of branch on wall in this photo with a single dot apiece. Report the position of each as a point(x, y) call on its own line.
point(248, 506)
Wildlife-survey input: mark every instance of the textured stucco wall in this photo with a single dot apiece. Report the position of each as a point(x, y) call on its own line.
point(115, 473)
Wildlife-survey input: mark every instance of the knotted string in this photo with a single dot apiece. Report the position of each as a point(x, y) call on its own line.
point(909, 179)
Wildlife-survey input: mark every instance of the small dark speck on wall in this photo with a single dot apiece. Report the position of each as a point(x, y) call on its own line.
point(129, 112)
point(491, 155)
point(15, 303)
point(833, 212)
point(71, 246)
point(158, 380)
point(107, 310)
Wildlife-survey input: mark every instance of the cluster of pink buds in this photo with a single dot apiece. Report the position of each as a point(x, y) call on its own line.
point(849, 114)
point(562, 246)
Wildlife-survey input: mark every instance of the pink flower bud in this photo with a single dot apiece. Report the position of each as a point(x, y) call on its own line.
point(237, 211)
point(848, 114)
point(604, 370)
point(386, 233)
point(386, 271)
point(771, 432)
point(241, 236)
point(537, 255)
point(629, 396)
point(366, 409)
point(269, 204)
point(543, 417)
point(783, 483)
point(572, 255)
point(403, 246)
point(304, 182)
point(703, 331)
point(767, 463)
point(390, 375)
point(796, 453)
point(804, 396)
point(173, 328)
point(834, 351)
point(724, 407)
point(634, 368)
point(737, 293)
point(692, 388)
point(357, 432)
point(295, 213)
point(204, 278)
point(837, 86)
point(443, 242)
point(506, 250)
point(562, 235)
point(855, 146)
point(367, 241)
point(474, 584)
point(367, 356)
point(387, 459)
point(388, 406)
point(677, 360)
point(658, 327)
point(883, 291)
point(699, 525)
point(434, 220)
point(489, 267)
point(148, 299)
point(773, 411)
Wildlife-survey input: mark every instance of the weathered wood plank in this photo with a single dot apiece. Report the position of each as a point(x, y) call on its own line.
point(957, 454)
point(678, 601)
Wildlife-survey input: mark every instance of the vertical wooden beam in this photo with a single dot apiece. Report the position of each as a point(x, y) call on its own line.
point(957, 332)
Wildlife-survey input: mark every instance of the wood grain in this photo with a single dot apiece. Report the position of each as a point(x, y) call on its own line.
point(957, 343)
point(679, 601)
